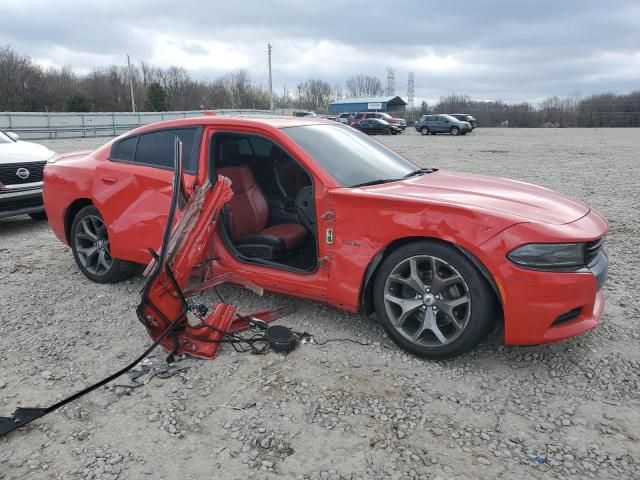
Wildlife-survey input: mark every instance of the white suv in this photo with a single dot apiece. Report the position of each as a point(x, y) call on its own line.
point(21, 167)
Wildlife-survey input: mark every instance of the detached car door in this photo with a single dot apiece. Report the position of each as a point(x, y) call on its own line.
point(132, 188)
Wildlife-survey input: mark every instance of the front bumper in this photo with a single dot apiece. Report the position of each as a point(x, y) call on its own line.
point(542, 306)
point(20, 202)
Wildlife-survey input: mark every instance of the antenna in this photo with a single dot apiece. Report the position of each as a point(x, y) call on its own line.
point(391, 81)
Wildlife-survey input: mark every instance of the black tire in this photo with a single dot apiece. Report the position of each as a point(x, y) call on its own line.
point(454, 131)
point(386, 131)
point(39, 216)
point(482, 302)
point(117, 270)
point(424, 131)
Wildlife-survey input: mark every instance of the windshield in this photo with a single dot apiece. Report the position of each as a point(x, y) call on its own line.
point(4, 138)
point(349, 156)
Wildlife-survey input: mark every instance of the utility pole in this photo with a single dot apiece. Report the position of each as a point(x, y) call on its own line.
point(269, 48)
point(133, 100)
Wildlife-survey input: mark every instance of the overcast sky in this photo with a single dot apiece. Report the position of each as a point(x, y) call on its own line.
point(510, 50)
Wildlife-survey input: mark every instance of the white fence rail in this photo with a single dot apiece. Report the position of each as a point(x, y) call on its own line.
point(38, 125)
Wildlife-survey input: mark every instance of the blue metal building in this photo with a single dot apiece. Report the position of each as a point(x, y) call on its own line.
point(392, 105)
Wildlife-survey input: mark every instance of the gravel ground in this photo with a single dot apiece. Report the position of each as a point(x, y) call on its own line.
point(340, 411)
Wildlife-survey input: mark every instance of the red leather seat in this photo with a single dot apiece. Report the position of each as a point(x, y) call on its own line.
point(248, 212)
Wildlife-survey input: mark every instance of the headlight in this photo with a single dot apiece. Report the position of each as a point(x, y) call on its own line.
point(549, 256)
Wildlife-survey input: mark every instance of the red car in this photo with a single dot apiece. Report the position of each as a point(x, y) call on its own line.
point(398, 122)
point(323, 212)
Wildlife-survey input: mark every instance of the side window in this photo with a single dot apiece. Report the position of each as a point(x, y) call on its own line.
point(244, 148)
point(261, 146)
point(156, 148)
point(124, 150)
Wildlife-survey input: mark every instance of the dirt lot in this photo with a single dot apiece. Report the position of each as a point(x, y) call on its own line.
point(569, 410)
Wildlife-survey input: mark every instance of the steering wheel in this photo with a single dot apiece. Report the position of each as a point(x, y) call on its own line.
point(305, 208)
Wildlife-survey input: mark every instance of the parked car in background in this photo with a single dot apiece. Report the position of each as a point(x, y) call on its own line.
point(321, 212)
point(398, 122)
point(375, 126)
point(442, 124)
point(21, 166)
point(465, 117)
point(343, 118)
point(305, 114)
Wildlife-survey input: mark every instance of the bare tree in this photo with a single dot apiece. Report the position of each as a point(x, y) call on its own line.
point(364, 86)
point(315, 94)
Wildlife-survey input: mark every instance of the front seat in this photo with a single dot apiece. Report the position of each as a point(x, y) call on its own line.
point(246, 216)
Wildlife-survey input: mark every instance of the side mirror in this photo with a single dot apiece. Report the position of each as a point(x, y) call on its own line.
point(13, 136)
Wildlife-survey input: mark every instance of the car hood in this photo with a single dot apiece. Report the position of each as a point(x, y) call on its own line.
point(511, 197)
point(22, 152)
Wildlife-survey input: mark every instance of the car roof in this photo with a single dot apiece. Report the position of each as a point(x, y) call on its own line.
point(272, 121)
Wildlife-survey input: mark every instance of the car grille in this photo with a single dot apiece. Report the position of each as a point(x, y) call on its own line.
point(9, 176)
point(592, 249)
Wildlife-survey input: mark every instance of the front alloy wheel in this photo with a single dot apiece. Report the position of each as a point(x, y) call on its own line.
point(432, 300)
point(91, 249)
point(455, 130)
point(427, 300)
point(424, 131)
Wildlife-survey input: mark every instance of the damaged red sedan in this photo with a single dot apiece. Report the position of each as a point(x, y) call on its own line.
point(321, 211)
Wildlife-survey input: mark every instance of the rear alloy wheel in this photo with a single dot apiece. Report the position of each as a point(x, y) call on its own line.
point(454, 130)
point(91, 250)
point(424, 131)
point(432, 300)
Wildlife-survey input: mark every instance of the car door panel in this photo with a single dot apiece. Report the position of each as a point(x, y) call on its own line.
point(134, 204)
point(134, 197)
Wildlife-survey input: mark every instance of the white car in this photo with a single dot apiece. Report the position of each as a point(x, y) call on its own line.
point(343, 118)
point(21, 166)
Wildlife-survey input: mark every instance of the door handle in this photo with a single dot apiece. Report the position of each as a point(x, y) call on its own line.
point(107, 179)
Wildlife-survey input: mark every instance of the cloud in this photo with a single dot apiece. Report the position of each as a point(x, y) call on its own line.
point(494, 49)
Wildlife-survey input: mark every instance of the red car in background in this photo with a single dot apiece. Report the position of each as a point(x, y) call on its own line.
point(398, 122)
point(323, 212)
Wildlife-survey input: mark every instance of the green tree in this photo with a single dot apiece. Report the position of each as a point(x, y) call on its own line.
point(78, 103)
point(156, 98)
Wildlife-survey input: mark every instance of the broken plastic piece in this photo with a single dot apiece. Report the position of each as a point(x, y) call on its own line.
point(20, 417)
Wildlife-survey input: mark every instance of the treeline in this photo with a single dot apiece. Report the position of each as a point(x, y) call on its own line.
point(27, 86)
point(602, 110)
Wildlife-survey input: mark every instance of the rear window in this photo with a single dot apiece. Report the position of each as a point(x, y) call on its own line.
point(156, 148)
point(125, 150)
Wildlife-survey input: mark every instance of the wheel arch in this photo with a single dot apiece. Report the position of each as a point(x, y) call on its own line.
point(71, 212)
point(366, 291)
